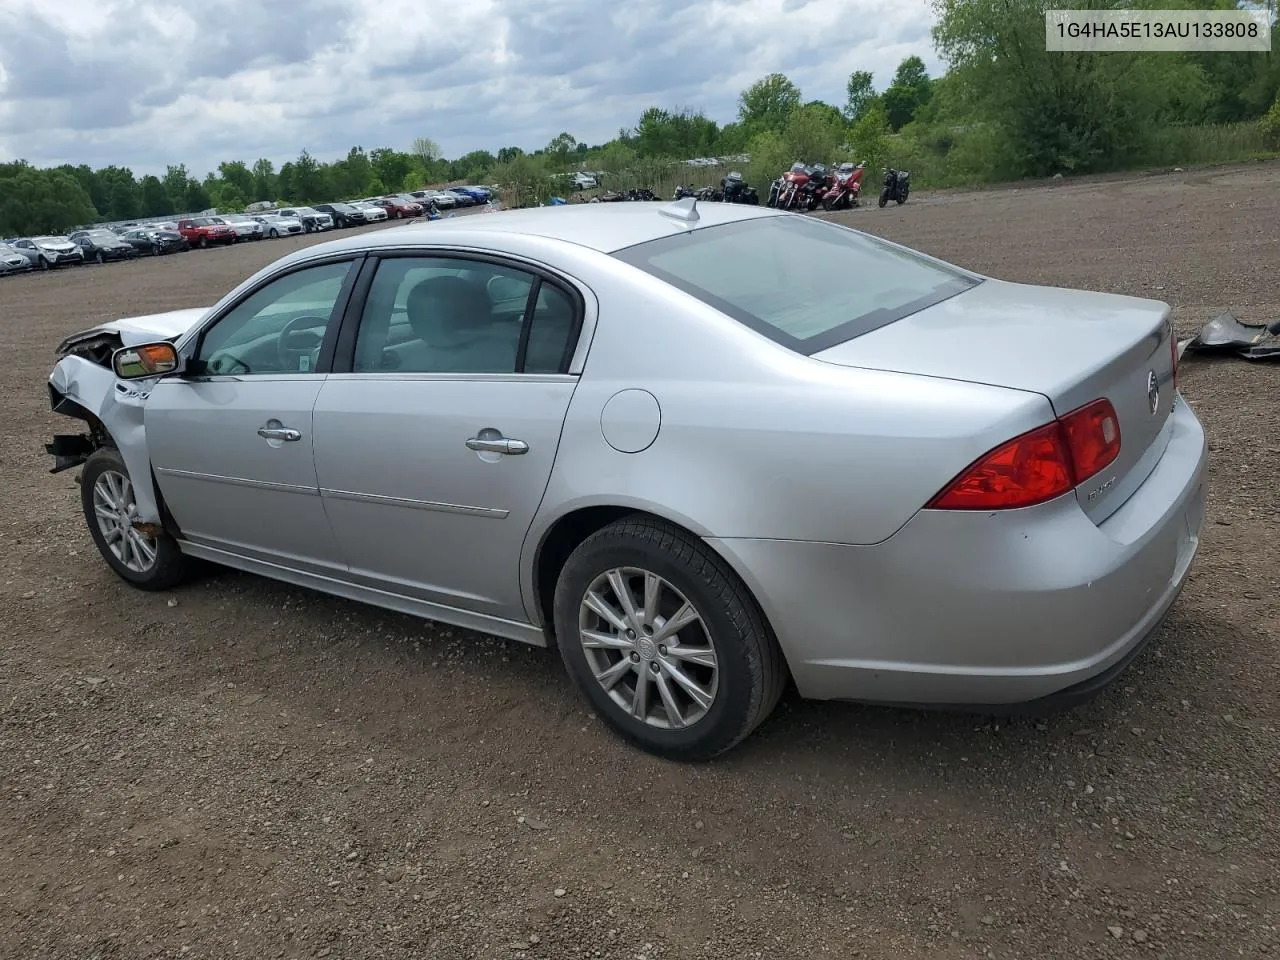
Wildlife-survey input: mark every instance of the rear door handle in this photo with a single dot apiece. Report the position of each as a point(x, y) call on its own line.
point(498, 445)
point(279, 433)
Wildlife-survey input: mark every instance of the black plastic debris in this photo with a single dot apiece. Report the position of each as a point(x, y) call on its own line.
point(1226, 334)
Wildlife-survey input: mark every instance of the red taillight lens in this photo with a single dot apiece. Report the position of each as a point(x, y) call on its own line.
point(1027, 470)
point(1038, 465)
point(1093, 437)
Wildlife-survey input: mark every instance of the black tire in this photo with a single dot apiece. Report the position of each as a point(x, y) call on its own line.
point(171, 566)
point(204, 243)
point(751, 671)
point(884, 196)
point(275, 234)
point(44, 264)
point(101, 257)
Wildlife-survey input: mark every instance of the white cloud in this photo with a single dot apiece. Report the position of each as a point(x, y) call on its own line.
point(143, 83)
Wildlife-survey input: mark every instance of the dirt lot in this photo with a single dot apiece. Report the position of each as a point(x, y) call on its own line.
point(242, 769)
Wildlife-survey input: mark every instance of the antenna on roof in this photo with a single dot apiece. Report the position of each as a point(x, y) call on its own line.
point(685, 209)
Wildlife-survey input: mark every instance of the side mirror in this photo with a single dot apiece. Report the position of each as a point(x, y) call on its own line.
point(147, 360)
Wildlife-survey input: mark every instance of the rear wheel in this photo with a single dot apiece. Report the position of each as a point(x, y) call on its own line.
point(147, 558)
point(664, 640)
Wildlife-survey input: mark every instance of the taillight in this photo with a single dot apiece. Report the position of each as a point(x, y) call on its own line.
point(1093, 437)
point(1173, 354)
point(1038, 465)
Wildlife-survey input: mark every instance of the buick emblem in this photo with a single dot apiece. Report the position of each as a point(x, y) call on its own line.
point(1153, 392)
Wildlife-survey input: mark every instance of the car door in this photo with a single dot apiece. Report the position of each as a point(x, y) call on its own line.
point(434, 449)
point(231, 440)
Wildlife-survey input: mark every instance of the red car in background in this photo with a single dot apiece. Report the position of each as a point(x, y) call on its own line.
point(399, 206)
point(203, 231)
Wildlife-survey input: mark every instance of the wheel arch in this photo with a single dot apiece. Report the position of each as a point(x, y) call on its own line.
point(563, 535)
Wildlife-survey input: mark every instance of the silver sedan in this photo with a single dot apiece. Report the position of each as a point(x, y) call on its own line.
point(705, 450)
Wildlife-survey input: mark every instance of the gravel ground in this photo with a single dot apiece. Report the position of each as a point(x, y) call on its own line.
point(243, 769)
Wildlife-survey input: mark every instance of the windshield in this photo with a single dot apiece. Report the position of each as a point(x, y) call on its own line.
point(341, 206)
point(49, 239)
point(102, 235)
point(781, 276)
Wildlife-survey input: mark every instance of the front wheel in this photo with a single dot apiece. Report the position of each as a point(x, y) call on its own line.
point(44, 264)
point(884, 196)
point(149, 559)
point(665, 641)
point(101, 258)
point(275, 234)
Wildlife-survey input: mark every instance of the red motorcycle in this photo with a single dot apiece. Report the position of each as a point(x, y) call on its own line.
point(792, 186)
point(845, 187)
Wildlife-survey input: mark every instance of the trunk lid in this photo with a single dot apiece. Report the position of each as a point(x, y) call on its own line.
point(1071, 346)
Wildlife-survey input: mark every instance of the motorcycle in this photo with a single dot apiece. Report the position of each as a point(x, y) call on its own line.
point(897, 184)
point(733, 189)
point(819, 181)
point(793, 182)
point(845, 189)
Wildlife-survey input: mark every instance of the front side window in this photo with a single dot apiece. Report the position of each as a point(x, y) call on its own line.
point(448, 315)
point(801, 282)
point(277, 329)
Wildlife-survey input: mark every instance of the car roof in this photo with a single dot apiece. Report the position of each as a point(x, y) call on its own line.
point(606, 227)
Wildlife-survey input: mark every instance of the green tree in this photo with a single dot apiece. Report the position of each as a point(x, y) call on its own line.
point(237, 175)
point(910, 90)
point(858, 94)
point(265, 183)
point(768, 102)
point(175, 184)
point(560, 148)
point(390, 166)
point(507, 154)
point(195, 197)
point(155, 199)
point(41, 201)
point(814, 132)
point(870, 137)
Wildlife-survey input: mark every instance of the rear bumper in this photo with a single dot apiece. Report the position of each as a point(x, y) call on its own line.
point(991, 609)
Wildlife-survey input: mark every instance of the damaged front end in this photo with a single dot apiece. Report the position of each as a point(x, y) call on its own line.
point(84, 386)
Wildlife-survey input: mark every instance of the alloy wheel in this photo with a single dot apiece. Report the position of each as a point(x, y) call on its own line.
point(116, 510)
point(648, 648)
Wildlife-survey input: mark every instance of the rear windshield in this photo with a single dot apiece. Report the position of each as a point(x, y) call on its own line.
point(800, 281)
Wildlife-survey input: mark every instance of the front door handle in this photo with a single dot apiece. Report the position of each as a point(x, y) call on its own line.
point(279, 433)
point(498, 445)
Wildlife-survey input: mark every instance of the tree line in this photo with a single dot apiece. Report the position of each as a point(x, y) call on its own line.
point(1004, 109)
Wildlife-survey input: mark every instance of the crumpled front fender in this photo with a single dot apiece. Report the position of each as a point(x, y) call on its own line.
point(119, 405)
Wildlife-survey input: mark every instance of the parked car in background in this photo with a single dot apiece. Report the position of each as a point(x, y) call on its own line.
point(276, 225)
point(102, 245)
point(584, 181)
point(149, 240)
point(246, 228)
point(479, 194)
point(313, 221)
point(344, 214)
point(443, 201)
point(399, 206)
point(373, 212)
point(463, 198)
point(12, 261)
point(50, 251)
point(206, 231)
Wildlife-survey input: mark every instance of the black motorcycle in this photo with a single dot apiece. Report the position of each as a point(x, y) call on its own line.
point(811, 193)
point(897, 184)
point(733, 189)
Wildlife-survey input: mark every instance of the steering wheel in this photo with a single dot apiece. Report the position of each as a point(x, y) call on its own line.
point(299, 338)
point(225, 363)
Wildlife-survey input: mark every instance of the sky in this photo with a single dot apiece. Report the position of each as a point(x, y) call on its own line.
point(146, 83)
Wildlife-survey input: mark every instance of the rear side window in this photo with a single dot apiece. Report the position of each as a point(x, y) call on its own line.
point(802, 282)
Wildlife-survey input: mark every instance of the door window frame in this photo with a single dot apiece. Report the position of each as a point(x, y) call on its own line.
point(343, 358)
point(324, 362)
